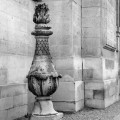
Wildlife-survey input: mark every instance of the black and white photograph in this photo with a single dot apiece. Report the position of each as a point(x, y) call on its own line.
point(59, 59)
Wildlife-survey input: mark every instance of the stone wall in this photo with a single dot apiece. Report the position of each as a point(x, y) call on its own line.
point(100, 62)
point(16, 54)
point(82, 48)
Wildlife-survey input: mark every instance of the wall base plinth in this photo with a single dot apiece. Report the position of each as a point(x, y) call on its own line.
point(101, 94)
point(70, 106)
point(69, 97)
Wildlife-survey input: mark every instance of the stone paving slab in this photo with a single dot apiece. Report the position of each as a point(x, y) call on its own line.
point(110, 113)
point(117, 117)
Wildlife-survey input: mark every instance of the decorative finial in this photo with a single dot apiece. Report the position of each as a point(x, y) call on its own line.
point(41, 15)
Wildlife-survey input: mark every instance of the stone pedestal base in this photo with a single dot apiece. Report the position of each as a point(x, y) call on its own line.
point(58, 116)
point(43, 110)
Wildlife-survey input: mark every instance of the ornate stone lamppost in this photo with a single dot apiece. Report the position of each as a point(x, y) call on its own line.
point(43, 79)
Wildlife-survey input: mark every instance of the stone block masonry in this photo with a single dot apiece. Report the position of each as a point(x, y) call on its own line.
point(69, 97)
point(100, 63)
point(13, 101)
point(80, 50)
point(16, 54)
point(101, 94)
point(65, 48)
point(83, 31)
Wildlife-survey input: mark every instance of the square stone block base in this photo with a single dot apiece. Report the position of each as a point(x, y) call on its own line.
point(101, 94)
point(50, 117)
point(69, 97)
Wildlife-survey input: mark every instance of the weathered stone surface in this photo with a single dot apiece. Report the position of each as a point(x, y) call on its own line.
point(91, 33)
point(91, 22)
point(60, 51)
point(18, 65)
point(108, 54)
point(20, 100)
point(91, 12)
point(91, 29)
point(64, 63)
point(65, 48)
point(16, 51)
point(88, 93)
point(15, 19)
point(111, 91)
point(109, 20)
point(17, 112)
point(76, 28)
point(30, 108)
point(70, 99)
point(95, 103)
point(92, 71)
point(100, 70)
point(98, 103)
point(109, 64)
point(3, 114)
point(94, 85)
point(65, 51)
point(74, 91)
point(110, 68)
point(12, 90)
point(103, 94)
point(69, 106)
point(78, 75)
point(65, 45)
point(60, 11)
point(91, 47)
point(50, 117)
point(70, 75)
point(6, 103)
point(3, 76)
point(109, 101)
point(98, 94)
point(67, 75)
point(31, 100)
point(90, 3)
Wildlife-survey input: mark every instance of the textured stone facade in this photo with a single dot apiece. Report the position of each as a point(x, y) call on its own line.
point(65, 45)
point(100, 61)
point(16, 54)
point(82, 47)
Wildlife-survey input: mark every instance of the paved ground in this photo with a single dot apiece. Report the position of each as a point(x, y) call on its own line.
point(110, 113)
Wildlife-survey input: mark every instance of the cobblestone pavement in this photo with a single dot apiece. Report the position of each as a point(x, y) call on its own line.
point(110, 113)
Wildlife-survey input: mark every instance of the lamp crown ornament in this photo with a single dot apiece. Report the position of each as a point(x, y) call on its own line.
point(43, 79)
point(41, 18)
point(41, 14)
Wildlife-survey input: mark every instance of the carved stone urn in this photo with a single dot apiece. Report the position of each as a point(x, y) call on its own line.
point(43, 80)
